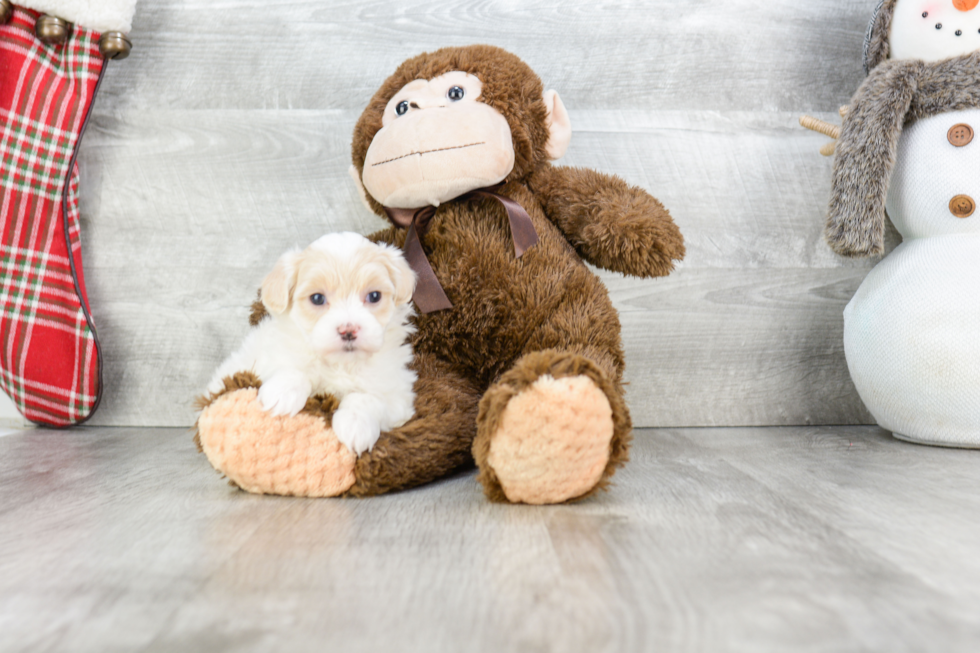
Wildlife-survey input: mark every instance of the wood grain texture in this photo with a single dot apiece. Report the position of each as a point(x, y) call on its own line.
point(636, 54)
point(780, 539)
point(757, 346)
point(224, 139)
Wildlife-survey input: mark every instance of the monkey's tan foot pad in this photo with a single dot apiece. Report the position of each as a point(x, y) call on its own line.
point(553, 439)
point(266, 454)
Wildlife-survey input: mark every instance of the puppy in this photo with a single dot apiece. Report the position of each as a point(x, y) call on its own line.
point(338, 325)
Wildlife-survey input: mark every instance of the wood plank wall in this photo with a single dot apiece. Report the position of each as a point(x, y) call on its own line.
point(224, 139)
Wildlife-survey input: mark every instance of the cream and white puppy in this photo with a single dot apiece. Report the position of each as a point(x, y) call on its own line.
point(338, 324)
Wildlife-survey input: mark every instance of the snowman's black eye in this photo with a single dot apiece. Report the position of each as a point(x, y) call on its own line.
point(959, 32)
point(939, 25)
point(402, 108)
point(925, 14)
point(455, 93)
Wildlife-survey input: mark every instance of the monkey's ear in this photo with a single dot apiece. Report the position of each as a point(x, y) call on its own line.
point(278, 284)
point(360, 186)
point(559, 126)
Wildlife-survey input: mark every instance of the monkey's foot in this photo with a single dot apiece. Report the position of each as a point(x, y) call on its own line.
point(553, 429)
point(267, 454)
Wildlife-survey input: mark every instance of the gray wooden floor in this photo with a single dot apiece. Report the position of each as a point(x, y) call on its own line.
point(740, 539)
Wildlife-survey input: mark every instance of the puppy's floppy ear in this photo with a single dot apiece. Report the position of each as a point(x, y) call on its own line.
point(277, 287)
point(402, 276)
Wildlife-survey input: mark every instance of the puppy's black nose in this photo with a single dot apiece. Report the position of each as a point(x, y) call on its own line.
point(348, 332)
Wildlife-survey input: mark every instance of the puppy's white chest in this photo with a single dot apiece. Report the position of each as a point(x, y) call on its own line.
point(336, 379)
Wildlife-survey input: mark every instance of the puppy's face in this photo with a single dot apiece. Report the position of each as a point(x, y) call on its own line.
point(342, 292)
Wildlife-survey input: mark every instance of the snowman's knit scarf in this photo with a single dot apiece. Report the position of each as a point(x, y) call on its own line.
point(895, 94)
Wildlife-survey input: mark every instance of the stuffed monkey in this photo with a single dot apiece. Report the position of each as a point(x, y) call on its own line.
point(517, 348)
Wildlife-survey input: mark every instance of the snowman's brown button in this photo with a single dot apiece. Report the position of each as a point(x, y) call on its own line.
point(962, 206)
point(960, 135)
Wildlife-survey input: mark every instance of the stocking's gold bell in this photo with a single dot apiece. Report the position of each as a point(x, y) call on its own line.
point(6, 11)
point(52, 30)
point(115, 45)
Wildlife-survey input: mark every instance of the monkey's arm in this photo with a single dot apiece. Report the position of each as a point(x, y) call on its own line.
point(866, 156)
point(611, 224)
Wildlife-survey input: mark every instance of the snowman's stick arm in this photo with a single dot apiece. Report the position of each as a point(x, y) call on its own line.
point(825, 128)
point(820, 126)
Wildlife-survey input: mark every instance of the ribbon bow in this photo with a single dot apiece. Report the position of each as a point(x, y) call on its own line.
point(429, 295)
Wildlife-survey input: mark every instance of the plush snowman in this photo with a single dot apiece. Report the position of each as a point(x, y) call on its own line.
point(911, 143)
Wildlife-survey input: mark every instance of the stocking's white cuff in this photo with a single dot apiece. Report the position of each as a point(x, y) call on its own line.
point(97, 15)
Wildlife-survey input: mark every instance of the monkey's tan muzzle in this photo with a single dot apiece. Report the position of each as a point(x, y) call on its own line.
point(415, 160)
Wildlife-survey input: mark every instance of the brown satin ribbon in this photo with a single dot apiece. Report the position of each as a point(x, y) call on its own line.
point(429, 295)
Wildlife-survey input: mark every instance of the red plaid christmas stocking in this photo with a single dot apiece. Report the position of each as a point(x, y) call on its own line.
point(50, 360)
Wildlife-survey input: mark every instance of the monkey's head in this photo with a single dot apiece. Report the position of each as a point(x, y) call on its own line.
point(930, 30)
point(451, 121)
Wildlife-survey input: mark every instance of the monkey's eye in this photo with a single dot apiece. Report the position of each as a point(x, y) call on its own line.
point(456, 93)
point(374, 297)
point(318, 299)
point(402, 108)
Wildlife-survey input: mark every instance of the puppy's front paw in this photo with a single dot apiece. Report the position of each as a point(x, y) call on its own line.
point(356, 430)
point(285, 394)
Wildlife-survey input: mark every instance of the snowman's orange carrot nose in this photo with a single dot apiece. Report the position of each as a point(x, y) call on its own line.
point(965, 5)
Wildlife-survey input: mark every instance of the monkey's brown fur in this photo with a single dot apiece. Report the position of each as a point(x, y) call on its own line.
point(513, 320)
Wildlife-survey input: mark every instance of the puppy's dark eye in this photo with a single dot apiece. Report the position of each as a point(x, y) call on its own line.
point(374, 297)
point(318, 299)
point(401, 108)
point(455, 93)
